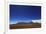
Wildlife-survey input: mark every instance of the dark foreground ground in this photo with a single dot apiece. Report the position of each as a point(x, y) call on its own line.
point(19, 26)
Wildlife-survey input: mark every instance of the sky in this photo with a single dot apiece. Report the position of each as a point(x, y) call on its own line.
point(24, 13)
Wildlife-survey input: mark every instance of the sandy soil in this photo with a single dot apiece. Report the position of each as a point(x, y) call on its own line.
point(19, 26)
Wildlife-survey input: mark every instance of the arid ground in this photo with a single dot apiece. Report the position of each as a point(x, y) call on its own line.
point(19, 26)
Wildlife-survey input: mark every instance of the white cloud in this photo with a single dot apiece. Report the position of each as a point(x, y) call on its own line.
point(26, 21)
point(15, 22)
point(36, 21)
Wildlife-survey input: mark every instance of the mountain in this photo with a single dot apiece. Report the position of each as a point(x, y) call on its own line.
point(24, 23)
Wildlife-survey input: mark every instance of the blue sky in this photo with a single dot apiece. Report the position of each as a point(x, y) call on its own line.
point(24, 12)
